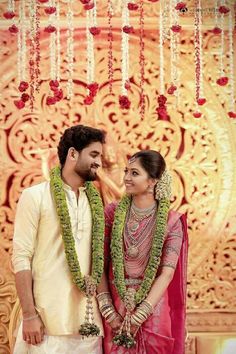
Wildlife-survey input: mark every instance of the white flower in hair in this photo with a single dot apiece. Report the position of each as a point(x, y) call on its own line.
point(163, 186)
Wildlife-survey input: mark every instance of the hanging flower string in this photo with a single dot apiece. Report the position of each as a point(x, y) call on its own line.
point(223, 79)
point(32, 52)
point(21, 58)
point(37, 48)
point(10, 15)
point(141, 60)
point(126, 30)
point(174, 39)
point(200, 100)
point(110, 48)
point(232, 111)
point(91, 31)
point(70, 49)
point(161, 99)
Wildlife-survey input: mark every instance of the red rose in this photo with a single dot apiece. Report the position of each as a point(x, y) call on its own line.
point(13, 29)
point(93, 87)
point(9, 15)
point(23, 86)
point(89, 6)
point(132, 7)
point(176, 28)
point(51, 100)
point(171, 89)
point(128, 29)
point(216, 30)
point(223, 9)
point(201, 101)
point(180, 6)
point(88, 100)
point(94, 30)
point(127, 85)
point(161, 99)
point(58, 94)
point(124, 102)
point(197, 114)
point(43, 1)
point(222, 81)
point(25, 97)
point(232, 114)
point(53, 83)
point(50, 10)
point(50, 29)
point(19, 104)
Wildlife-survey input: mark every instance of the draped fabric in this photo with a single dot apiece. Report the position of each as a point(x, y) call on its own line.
point(164, 331)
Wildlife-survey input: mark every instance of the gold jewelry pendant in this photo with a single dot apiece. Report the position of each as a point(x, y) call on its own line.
point(133, 251)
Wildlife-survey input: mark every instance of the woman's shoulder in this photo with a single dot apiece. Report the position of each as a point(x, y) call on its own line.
point(174, 217)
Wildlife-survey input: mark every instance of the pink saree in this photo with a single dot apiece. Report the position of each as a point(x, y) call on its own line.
point(164, 331)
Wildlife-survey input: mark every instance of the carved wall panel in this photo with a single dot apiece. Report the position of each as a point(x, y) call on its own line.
point(200, 153)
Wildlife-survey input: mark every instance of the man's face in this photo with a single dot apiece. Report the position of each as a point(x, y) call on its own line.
point(88, 161)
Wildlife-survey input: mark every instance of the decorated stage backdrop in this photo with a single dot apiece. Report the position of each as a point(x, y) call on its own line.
point(155, 75)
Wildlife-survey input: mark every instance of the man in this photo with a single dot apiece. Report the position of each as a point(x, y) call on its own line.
point(52, 251)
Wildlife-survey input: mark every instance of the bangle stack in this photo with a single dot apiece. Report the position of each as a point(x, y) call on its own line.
point(105, 306)
point(142, 313)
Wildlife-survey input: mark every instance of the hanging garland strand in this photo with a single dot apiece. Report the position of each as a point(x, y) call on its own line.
point(110, 48)
point(232, 112)
point(32, 52)
point(141, 60)
point(70, 50)
point(223, 79)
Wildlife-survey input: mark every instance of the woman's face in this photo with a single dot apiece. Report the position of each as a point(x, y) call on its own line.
point(136, 179)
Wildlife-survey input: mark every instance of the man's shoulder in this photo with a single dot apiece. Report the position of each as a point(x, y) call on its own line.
point(37, 189)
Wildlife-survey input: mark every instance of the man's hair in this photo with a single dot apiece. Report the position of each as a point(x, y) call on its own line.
point(78, 137)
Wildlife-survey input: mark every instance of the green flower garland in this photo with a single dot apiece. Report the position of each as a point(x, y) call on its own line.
point(96, 206)
point(117, 253)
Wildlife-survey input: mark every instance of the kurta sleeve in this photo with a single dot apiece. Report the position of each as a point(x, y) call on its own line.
point(25, 231)
point(172, 246)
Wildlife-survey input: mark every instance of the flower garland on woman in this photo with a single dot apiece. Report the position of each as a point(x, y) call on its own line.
point(147, 246)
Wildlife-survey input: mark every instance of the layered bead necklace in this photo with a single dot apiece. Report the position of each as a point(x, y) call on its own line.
point(138, 237)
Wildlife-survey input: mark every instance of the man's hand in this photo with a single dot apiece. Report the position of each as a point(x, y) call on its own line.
point(116, 324)
point(33, 331)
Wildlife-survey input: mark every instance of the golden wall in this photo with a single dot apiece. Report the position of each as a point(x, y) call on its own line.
point(201, 153)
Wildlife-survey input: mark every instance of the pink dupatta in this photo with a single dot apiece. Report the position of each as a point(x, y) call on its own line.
point(150, 338)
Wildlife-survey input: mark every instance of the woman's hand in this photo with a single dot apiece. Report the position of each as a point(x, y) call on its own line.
point(116, 324)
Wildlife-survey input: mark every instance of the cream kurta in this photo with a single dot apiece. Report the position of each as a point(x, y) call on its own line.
point(38, 245)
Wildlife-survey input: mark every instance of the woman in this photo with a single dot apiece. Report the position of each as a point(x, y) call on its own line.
point(146, 251)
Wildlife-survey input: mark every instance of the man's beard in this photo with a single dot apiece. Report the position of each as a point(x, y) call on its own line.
point(87, 175)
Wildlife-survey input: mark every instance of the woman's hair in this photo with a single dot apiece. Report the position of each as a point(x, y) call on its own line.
point(152, 162)
point(78, 137)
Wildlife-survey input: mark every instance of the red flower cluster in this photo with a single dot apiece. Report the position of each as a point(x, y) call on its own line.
point(94, 30)
point(171, 89)
point(232, 114)
point(176, 28)
point(223, 9)
point(23, 86)
point(13, 29)
point(50, 10)
point(132, 6)
point(124, 102)
point(201, 101)
point(93, 89)
point(128, 29)
point(89, 5)
point(161, 109)
point(9, 15)
point(216, 30)
point(222, 81)
point(57, 93)
point(180, 6)
point(197, 114)
point(50, 29)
